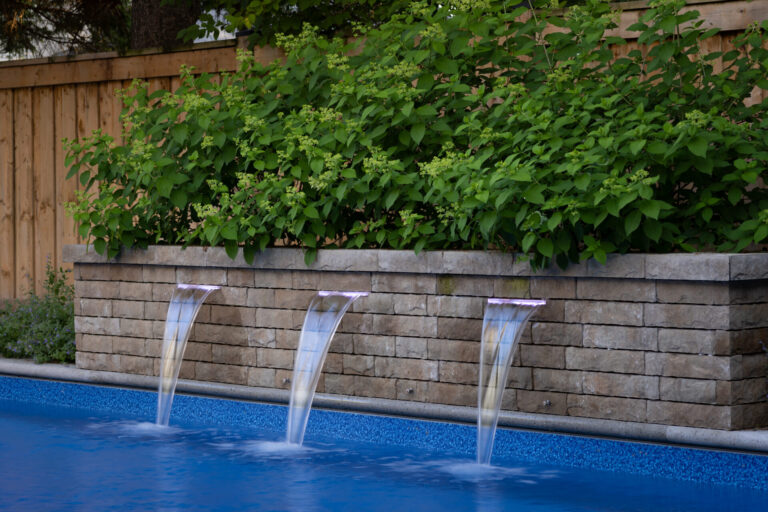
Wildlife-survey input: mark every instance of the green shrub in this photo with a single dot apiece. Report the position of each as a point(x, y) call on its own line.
point(450, 128)
point(41, 327)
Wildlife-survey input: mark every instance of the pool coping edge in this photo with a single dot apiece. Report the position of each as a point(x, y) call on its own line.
point(741, 440)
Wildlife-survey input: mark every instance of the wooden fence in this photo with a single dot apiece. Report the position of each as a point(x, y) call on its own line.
point(43, 101)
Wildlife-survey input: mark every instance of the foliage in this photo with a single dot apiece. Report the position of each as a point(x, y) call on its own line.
point(31, 26)
point(263, 19)
point(42, 328)
point(451, 127)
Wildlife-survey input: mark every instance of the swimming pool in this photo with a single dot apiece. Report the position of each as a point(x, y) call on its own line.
point(77, 447)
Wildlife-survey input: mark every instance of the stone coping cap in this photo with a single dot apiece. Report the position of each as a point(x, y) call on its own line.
point(677, 266)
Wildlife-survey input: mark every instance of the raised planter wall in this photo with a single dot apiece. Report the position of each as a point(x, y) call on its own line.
point(668, 339)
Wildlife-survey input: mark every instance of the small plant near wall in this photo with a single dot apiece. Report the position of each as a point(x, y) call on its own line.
point(457, 125)
point(41, 327)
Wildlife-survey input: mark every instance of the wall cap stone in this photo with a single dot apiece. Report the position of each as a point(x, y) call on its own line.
point(677, 266)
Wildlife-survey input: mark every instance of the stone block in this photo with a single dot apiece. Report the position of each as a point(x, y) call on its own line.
point(372, 387)
point(420, 326)
point(225, 354)
point(541, 402)
point(154, 310)
point(459, 328)
point(228, 296)
point(688, 390)
point(693, 292)
point(200, 275)
point(545, 333)
point(158, 274)
point(473, 286)
point(129, 346)
point(162, 292)
point(264, 278)
point(553, 287)
point(263, 298)
point(265, 338)
point(412, 390)
point(241, 277)
point(512, 287)
point(626, 290)
point(415, 369)
point(135, 291)
point(270, 318)
point(748, 292)
point(749, 366)
point(100, 362)
point(404, 283)
point(358, 365)
point(136, 328)
point(346, 281)
point(261, 377)
point(402, 261)
point(381, 303)
point(553, 311)
point(750, 416)
point(153, 347)
point(342, 343)
point(748, 266)
point(609, 408)
point(405, 304)
point(359, 260)
point(374, 345)
point(456, 307)
point(520, 378)
point(606, 313)
point(689, 415)
point(334, 363)
point(687, 365)
point(123, 273)
point(602, 360)
point(458, 373)
point(93, 272)
point(616, 384)
point(94, 307)
point(627, 266)
point(687, 267)
point(158, 328)
point(97, 290)
point(213, 333)
point(128, 309)
point(283, 379)
point(226, 373)
point(305, 280)
point(453, 350)
point(468, 262)
point(542, 356)
point(187, 370)
point(452, 394)
point(275, 358)
point(412, 348)
point(748, 316)
point(692, 341)
point(618, 337)
point(290, 299)
point(686, 316)
point(136, 365)
point(97, 325)
point(94, 343)
point(563, 381)
point(356, 323)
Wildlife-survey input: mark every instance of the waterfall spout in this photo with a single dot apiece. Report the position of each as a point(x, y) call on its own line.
point(182, 311)
point(502, 326)
point(323, 318)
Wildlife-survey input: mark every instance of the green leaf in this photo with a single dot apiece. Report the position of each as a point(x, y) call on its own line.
point(636, 146)
point(528, 240)
point(487, 219)
point(179, 198)
point(311, 212)
point(652, 229)
point(545, 247)
point(761, 233)
point(632, 222)
point(698, 146)
point(417, 132)
point(229, 231)
point(554, 221)
point(446, 66)
point(650, 209)
point(164, 186)
point(734, 195)
point(316, 165)
point(231, 249)
point(100, 245)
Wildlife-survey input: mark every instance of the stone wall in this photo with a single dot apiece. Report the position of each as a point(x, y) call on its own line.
point(667, 339)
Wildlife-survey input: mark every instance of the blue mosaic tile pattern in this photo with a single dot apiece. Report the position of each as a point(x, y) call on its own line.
point(703, 466)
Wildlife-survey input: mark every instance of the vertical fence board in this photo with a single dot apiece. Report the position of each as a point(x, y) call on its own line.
point(65, 124)
point(44, 183)
point(7, 214)
point(24, 190)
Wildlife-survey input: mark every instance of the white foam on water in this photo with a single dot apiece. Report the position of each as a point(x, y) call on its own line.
point(274, 448)
point(135, 429)
point(474, 472)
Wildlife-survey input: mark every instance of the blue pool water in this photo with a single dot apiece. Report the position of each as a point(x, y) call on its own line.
point(86, 448)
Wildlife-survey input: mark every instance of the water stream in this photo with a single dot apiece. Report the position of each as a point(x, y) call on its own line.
point(182, 311)
point(323, 318)
point(502, 326)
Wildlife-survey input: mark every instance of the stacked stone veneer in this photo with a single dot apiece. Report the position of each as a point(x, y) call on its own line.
point(669, 339)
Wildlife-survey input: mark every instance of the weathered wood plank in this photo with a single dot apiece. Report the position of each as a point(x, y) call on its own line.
point(7, 214)
point(44, 183)
point(65, 124)
point(24, 190)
